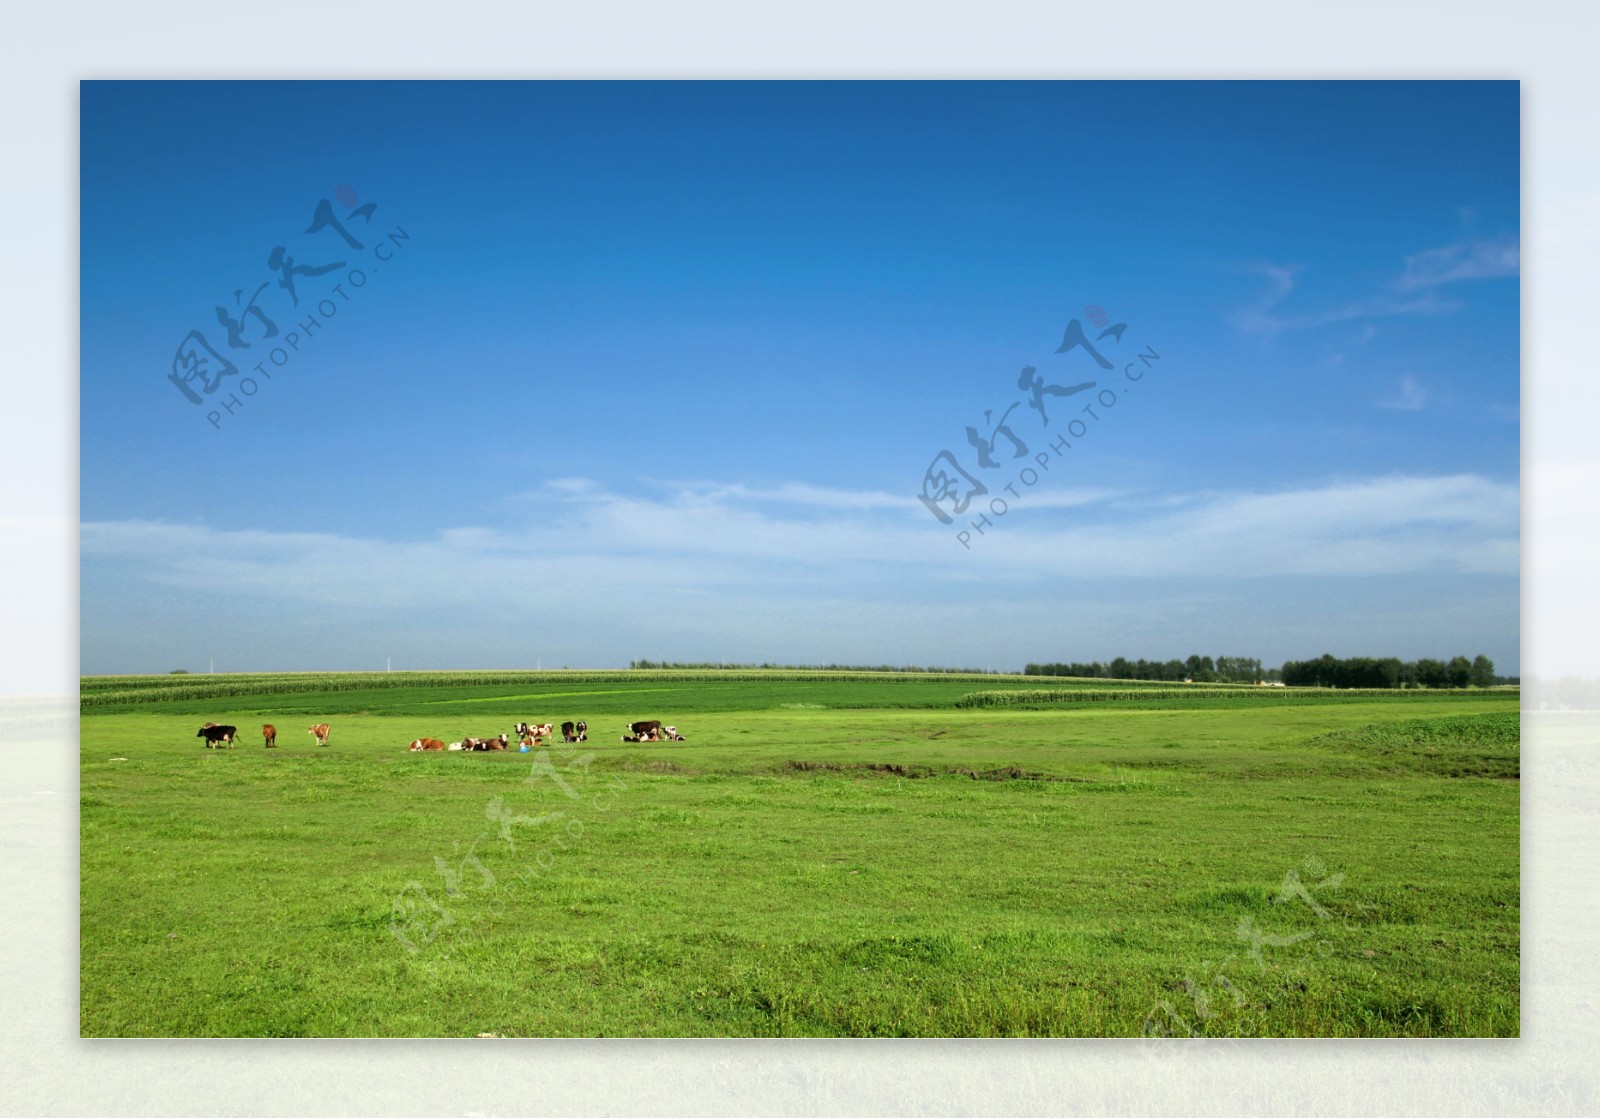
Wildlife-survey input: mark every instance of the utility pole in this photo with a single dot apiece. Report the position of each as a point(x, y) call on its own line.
point(388, 664)
point(213, 665)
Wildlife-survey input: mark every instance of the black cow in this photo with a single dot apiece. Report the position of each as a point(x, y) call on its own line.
point(216, 736)
point(575, 732)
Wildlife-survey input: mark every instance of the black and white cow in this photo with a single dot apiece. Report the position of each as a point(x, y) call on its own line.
point(645, 730)
point(216, 736)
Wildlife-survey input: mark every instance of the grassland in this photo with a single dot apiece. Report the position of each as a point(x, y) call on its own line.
point(826, 854)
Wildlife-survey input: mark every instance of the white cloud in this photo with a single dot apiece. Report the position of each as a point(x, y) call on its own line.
point(1411, 293)
point(1464, 260)
point(1263, 316)
point(585, 539)
point(1410, 398)
point(595, 576)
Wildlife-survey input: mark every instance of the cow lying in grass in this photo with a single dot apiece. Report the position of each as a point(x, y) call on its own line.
point(427, 744)
point(486, 743)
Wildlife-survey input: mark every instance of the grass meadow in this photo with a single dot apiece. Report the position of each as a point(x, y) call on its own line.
point(826, 854)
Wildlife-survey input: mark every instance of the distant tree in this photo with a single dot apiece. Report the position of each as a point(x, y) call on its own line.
point(179, 672)
point(1482, 671)
point(1121, 669)
point(1432, 673)
point(1239, 670)
point(1460, 672)
point(1389, 669)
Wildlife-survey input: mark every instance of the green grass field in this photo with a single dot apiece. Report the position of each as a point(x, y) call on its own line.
point(845, 854)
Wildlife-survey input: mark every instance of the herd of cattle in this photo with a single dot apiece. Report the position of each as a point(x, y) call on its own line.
point(527, 735)
point(219, 735)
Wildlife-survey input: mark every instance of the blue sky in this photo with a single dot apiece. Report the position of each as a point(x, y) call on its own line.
point(656, 369)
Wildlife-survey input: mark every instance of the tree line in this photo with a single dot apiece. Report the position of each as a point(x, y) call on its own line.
point(1391, 672)
point(1326, 671)
point(766, 665)
point(1202, 670)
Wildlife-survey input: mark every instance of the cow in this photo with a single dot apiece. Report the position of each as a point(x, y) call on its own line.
point(320, 733)
point(427, 744)
point(216, 735)
point(453, 746)
point(672, 733)
point(575, 732)
point(644, 731)
point(485, 743)
point(269, 735)
point(534, 730)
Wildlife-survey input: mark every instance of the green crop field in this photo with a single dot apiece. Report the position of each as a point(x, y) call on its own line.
point(826, 854)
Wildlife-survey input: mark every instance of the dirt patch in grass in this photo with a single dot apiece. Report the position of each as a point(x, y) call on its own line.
point(659, 765)
point(918, 772)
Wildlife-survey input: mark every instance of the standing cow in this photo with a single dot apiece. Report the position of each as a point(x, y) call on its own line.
point(217, 736)
point(646, 730)
point(269, 735)
point(320, 733)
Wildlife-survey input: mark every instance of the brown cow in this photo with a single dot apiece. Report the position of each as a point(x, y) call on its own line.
point(426, 744)
point(269, 735)
point(320, 733)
